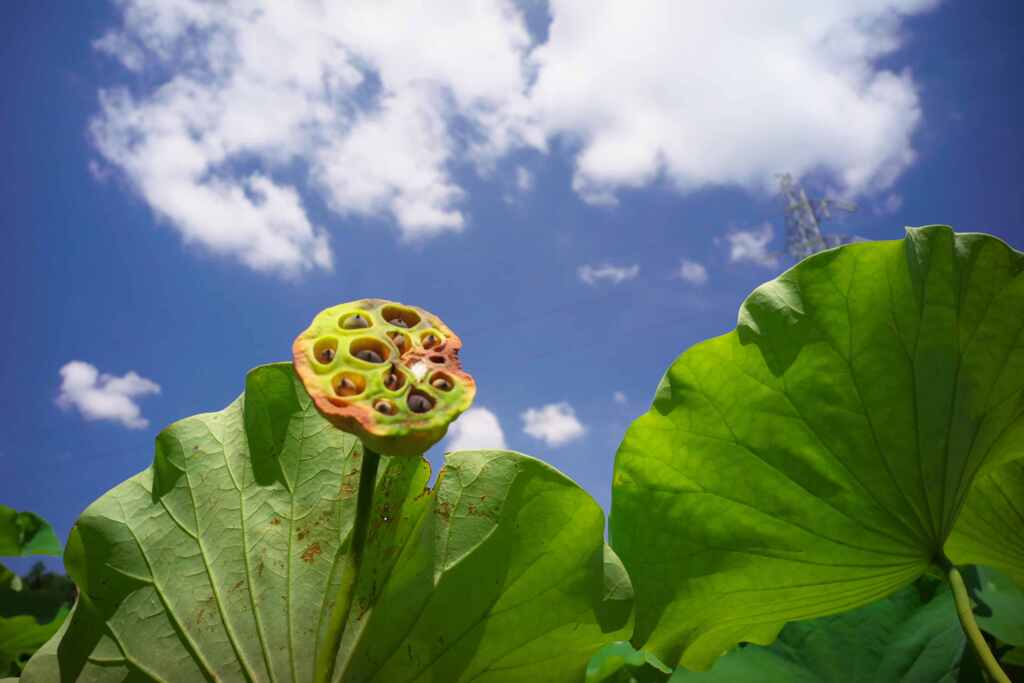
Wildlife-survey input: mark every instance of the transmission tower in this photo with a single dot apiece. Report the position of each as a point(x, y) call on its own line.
point(804, 219)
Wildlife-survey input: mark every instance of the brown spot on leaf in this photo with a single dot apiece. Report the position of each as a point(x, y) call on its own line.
point(275, 521)
point(311, 552)
point(238, 584)
point(444, 509)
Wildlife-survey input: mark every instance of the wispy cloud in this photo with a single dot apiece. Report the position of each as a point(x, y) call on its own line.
point(752, 246)
point(477, 428)
point(99, 396)
point(524, 179)
point(592, 275)
point(619, 397)
point(693, 272)
point(555, 424)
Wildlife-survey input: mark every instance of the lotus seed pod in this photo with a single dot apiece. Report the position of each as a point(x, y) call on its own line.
point(386, 372)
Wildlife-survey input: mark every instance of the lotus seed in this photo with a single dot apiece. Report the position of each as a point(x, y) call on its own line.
point(356, 322)
point(384, 407)
point(441, 383)
point(398, 322)
point(369, 355)
point(429, 341)
point(327, 355)
point(347, 387)
point(419, 404)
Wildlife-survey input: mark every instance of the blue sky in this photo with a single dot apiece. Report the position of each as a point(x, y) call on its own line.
point(184, 189)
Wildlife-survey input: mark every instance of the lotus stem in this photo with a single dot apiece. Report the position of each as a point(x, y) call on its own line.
point(350, 571)
point(970, 626)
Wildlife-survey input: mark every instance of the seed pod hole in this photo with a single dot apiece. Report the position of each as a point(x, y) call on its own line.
point(400, 317)
point(419, 402)
point(394, 379)
point(400, 341)
point(384, 407)
point(348, 384)
point(369, 349)
point(325, 350)
point(439, 360)
point(430, 340)
point(355, 321)
point(441, 381)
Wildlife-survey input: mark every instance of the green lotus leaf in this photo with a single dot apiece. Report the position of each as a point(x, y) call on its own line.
point(21, 636)
point(814, 459)
point(221, 561)
point(25, 533)
point(990, 528)
point(901, 639)
point(1001, 605)
point(619, 662)
point(9, 581)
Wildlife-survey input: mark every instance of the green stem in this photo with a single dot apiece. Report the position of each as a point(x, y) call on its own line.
point(963, 610)
point(328, 652)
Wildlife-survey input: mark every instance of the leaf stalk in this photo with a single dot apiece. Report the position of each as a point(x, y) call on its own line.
point(328, 652)
point(970, 626)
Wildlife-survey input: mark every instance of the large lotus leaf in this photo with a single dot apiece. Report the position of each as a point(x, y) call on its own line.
point(222, 561)
point(990, 528)
point(900, 639)
point(814, 459)
point(25, 533)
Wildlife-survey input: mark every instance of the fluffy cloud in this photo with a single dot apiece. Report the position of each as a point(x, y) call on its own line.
point(104, 397)
point(727, 93)
point(592, 275)
point(751, 246)
point(555, 424)
point(693, 272)
point(240, 113)
point(477, 428)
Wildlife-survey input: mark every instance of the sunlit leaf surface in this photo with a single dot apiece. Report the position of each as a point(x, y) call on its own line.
point(814, 460)
point(220, 562)
point(990, 528)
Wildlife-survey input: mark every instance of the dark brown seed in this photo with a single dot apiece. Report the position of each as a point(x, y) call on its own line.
point(418, 403)
point(398, 322)
point(391, 381)
point(369, 355)
point(440, 360)
point(326, 355)
point(347, 387)
point(356, 322)
point(441, 383)
point(399, 339)
point(384, 407)
point(429, 341)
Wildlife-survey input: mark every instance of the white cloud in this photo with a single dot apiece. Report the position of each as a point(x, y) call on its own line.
point(240, 114)
point(524, 179)
point(592, 275)
point(751, 246)
point(891, 204)
point(727, 93)
point(477, 428)
point(693, 272)
point(619, 397)
point(555, 424)
point(104, 397)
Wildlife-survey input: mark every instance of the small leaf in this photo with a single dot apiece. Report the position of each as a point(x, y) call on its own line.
point(1003, 604)
point(815, 459)
point(22, 636)
point(25, 533)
